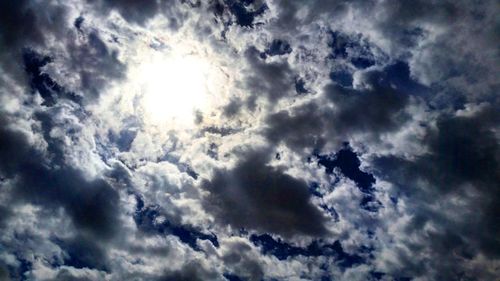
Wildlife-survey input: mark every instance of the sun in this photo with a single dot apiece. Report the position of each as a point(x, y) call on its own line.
point(182, 85)
point(173, 88)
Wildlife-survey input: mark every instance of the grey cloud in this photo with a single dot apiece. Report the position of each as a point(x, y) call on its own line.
point(299, 128)
point(72, 274)
point(463, 159)
point(5, 214)
point(136, 11)
point(133, 10)
point(84, 252)
point(65, 275)
point(192, 271)
point(462, 149)
point(386, 60)
point(90, 63)
point(4, 273)
point(290, 20)
point(27, 18)
point(92, 204)
point(462, 56)
point(381, 109)
point(17, 17)
point(241, 260)
point(448, 44)
point(232, 108)
point(243, 13)
point(26, 24)
point(272, 80)
point(254, 195)
point(378, 109)
point(403, 18)
point(95, 64)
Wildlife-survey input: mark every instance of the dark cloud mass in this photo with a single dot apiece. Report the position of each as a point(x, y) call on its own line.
point(464, 157)
point(91, 204)
point(249, 140)
point(375, 110)
point(253, 195)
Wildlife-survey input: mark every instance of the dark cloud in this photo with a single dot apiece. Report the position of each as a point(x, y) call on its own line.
point(26, 18)
point(123, 139)
point(91, 203)
point(283, 250)
point(241, 12)
point(242, 262)
point(254, 195)
point(232, 108)
point(42, 83)
point(272, 80)
point(140, 12)
point(463, 159)
point(28, 27)
point(309, 125)
point(382, 106)
point(146, 219)
point(302, 128)
point(342, 77)
point(411, 85)
point(5, 214)
point(9, 272)
point(94, 64)
point(447, 58)
point(67, 275)
point(291, 20)
point(462, 149)
point(131, 10)
point(192, 271)
point(82, 252)
point(26, 24)
point(4, 273)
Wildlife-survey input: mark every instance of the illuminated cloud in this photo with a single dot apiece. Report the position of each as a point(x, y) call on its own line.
point(249, 140)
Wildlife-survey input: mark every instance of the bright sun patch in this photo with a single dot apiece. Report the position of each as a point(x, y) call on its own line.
point(173, 88)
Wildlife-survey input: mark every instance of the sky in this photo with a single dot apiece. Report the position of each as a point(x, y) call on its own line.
point(249, 140)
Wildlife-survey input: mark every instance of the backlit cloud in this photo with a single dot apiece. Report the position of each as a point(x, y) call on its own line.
point(249, 140)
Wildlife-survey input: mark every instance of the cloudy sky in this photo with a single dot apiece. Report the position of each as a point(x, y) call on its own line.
point(249, 140)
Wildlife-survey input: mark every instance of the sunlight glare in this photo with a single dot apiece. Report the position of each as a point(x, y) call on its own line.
point(174, 88)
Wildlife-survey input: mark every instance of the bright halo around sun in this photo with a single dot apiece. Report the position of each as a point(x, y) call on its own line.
point(173, 88)
point(177, 86)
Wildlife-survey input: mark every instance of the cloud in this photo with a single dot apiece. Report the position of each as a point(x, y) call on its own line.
point(136, 11)
point(461, 165)
point(346, 140)
point(92, 204)
point(253, 195)
point(273, 79)
point(242, 259)
point(27, 18)
point(191, 271)
point(27, 24)
point(311, 125)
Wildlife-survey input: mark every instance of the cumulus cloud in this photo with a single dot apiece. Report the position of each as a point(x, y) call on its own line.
point(254, 195)
point(337, 140)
